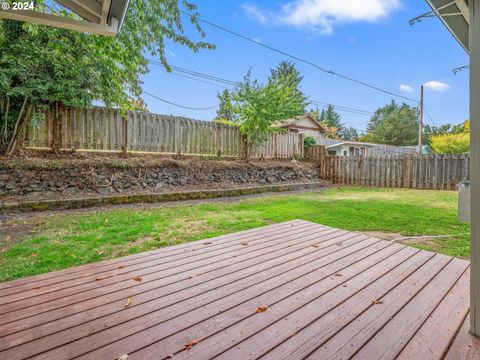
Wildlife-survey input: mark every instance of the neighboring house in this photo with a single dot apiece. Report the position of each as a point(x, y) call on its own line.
point(349, 148)
point(413, 149)
point(306, 125)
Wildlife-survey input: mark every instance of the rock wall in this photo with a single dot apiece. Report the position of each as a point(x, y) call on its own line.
point(82, 179)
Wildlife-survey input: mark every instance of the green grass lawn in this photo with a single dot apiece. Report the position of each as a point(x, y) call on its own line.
point(65, 241)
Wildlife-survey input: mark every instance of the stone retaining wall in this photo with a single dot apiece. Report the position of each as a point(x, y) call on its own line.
point(84, 179)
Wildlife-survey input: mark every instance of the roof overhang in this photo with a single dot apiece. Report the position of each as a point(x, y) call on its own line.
point(104, 17)
point(455, 16)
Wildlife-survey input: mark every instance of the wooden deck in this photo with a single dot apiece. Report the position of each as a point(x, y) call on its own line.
point(295, 290)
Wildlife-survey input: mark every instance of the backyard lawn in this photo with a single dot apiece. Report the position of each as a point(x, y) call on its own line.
point(62, 241)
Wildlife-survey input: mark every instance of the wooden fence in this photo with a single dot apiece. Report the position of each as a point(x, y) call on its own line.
point(101, 129)
point(440, 172)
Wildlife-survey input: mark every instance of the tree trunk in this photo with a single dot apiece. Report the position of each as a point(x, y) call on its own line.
point(5, 121)
point(56, 128)
point(18, 124)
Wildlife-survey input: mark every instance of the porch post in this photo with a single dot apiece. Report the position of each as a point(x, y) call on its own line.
point(474, 6)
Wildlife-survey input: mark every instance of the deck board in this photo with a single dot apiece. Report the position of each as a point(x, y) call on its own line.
point(326, 294)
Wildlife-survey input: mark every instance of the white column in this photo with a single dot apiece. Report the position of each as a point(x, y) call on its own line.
point(474, 6)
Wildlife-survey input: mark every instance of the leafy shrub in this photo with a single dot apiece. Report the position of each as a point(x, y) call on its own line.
point(308, 142)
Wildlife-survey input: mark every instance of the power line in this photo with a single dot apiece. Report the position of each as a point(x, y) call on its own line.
point(430, 117)
point(179, 105)
point(192, 78)
point(231, 82)
point(331, 72)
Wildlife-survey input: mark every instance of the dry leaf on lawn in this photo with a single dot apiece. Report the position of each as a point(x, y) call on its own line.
point(191, 344)
point(261, 309)
point(376, 302)
point(137, 278)
point(129, 302)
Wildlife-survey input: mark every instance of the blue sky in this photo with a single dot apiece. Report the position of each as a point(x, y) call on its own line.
point(376, 45)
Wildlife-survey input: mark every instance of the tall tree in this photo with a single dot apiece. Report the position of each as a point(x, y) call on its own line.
point(224, 108)
point(332, 120)
point(349, 134)
point(394, 124)
point(255, 107)
point(49, 67)
point(286, 70)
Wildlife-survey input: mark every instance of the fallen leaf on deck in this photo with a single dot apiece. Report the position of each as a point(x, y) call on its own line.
point(316, 246)
point(193, 275)
point(261, 309)
point(137, 278)
point(338, 274)
point(99, 278)
point(207, 243)
point(191, 344)
point(121, 267)
point(376, 302)
point(123, 357)
point(244, 243)
point(36, 287)
point(89, 274)
point(339, 244)
point(129, 302)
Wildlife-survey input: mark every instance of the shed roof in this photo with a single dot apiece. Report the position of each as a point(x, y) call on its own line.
point(291, 122)
point(103, 17)
point(351, 143)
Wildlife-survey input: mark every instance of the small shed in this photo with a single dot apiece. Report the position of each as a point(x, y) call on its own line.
point(349, 148)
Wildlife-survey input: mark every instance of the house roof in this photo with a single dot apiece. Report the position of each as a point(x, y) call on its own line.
point(104, 17)
point(455, 16)
point(351, 143)
point(292, 122)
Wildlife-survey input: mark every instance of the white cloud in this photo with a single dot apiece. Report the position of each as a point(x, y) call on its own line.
point(170, 52)
point(436, 85)
point(256, 13)
point(324, 15)
point(405, 88)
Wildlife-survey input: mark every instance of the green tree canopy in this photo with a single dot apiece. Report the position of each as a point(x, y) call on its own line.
point(455, 141)
point(286, 71)
point(44, 66)
point(224, 108)
point(255, 107)
point(393, 124)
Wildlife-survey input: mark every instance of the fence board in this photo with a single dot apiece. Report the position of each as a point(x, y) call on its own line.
point(103, 129)
point(403, 171)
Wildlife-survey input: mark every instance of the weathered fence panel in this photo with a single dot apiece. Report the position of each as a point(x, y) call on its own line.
point(101, 129)
point(436, 172)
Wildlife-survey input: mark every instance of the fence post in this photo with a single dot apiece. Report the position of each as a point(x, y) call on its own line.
point(125, 134)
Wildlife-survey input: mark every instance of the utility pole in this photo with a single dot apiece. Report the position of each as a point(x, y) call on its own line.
point(420, 125)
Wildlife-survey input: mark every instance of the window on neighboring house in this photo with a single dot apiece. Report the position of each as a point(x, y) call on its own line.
point(330, 152)
point(344, 152)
